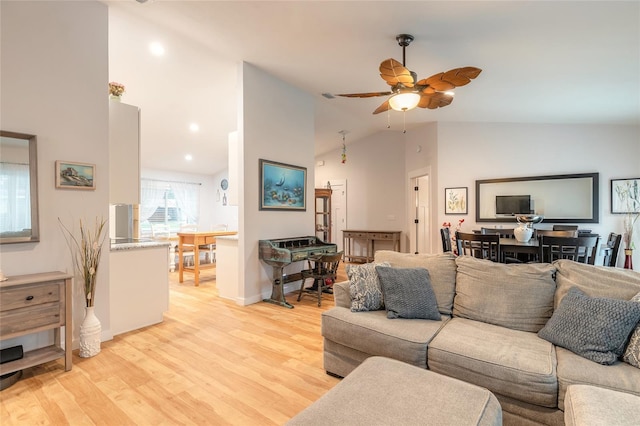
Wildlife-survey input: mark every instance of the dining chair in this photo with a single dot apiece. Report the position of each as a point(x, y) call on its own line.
point(557, 233)
point(446, 239)
point(323, 270)
point(188, 250)
point(482, 246)
point(578, 249)
point(611, 249)
point(565, 227)
point(503, 232)
point(211, 248)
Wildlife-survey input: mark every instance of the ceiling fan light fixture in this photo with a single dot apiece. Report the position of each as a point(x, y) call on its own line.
point(404, 101)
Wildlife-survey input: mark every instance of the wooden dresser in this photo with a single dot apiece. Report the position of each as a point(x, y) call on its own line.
point(34, 303)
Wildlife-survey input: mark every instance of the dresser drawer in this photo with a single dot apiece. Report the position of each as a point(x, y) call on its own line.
point(13, 298)
point(41, 316)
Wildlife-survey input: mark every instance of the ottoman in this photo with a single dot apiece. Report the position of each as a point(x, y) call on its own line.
point(383, 391)
point(591, 405)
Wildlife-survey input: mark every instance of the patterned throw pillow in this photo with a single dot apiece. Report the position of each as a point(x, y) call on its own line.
point(632, 353)
point(408, 293)
point(364, 286)
point(595, 328)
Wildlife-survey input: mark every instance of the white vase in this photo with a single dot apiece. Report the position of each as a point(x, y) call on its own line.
point(114, 98)
point(90, 331)
point(523, 233)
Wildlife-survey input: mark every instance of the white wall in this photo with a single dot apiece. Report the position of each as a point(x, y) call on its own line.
point(54, 75)
point(276, 122)
point(460, 153)
point(375, 175)
point(486, 151)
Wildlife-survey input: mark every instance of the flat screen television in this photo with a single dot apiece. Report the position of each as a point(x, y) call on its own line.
point(513, 204)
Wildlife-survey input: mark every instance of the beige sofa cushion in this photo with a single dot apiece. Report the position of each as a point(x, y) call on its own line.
point(441, 267)
point(373, 333)
point(575, 370)
point(591, 405)
point(513, 363)
point(595, 281)
point(517, 296)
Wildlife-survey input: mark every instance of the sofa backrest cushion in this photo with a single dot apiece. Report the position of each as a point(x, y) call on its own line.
point(595, 281)
point(516, 296)
point(441, 267)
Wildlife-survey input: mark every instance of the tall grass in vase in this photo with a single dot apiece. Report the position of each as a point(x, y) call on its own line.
point(85, 252)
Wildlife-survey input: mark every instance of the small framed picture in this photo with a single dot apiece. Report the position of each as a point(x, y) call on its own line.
point(625, 195)
point(282, 186)
point(455, 200)
point(70, 175)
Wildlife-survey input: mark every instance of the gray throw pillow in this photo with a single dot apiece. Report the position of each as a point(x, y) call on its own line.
point(364, 286)
point(632, 353)
point(408, 293)
point(595, 328)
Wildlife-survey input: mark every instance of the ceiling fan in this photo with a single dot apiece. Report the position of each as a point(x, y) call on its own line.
point(408, 93)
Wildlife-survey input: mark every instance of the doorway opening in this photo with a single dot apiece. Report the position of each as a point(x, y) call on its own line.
point(338, 210)
point(419, 212)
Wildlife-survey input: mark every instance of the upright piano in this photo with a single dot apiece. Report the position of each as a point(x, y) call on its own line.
point(281, 252)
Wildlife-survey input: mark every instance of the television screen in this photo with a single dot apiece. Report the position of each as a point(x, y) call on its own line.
point(513, 204)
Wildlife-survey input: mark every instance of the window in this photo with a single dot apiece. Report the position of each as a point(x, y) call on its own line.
point(167, 203)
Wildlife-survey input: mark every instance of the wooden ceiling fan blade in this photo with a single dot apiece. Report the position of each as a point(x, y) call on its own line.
point(393, 72)
point(451, 79)
point(365, 95)
point(434, 100)
point(382, 108)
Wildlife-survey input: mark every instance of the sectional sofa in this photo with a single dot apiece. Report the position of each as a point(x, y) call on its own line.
point(495, 328)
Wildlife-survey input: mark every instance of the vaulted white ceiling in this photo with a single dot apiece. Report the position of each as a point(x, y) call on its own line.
point(542, 62)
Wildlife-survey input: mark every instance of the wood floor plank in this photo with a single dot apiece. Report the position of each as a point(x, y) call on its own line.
point(210, 362)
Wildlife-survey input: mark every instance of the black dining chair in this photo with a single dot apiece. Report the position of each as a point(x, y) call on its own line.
point(323, 270)
point(446, 239)
point(578, 249)
point(482, 246)
point(565, 227)
point(611, 249)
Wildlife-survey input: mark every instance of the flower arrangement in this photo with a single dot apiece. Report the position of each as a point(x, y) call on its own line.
point(85, 253)
point(116, 89)
point(454, 246)
point(629, 195)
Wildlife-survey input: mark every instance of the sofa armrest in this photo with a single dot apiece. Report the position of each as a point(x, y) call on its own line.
point(342, 294)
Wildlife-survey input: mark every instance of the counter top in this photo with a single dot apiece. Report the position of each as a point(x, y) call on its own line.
point(228, 237)
point(135, 243)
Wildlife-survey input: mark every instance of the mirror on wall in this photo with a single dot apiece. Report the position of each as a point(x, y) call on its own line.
point(19, 189)
point(571, 198)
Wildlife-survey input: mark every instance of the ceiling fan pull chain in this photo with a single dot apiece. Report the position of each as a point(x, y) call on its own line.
point(404, 121)
point(388, 118)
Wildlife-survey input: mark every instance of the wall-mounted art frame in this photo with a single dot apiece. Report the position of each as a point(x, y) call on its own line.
point(456, 200)
point(625, 195)
point(282, 186)
point(70, 175)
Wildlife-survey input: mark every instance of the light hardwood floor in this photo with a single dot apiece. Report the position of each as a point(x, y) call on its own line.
point(211, 362)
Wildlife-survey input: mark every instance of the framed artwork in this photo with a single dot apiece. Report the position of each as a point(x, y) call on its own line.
point(455, 200)
point(625, 195)
point(282, 186)
point(71, 175)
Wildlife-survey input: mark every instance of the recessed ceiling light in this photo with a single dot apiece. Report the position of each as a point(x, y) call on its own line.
point(194, 127)
point(156, 49)
point(188, 157)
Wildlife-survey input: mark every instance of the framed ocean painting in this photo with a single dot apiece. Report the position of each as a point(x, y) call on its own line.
point(282, 186)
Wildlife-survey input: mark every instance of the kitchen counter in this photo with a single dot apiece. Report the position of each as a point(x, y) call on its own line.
point(136, 243)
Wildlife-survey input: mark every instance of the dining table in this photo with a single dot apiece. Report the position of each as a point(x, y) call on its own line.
point(193, 241)
point(513, 246)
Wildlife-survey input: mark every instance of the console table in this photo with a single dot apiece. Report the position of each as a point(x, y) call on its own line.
point(33, 303)
point(368, 238)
